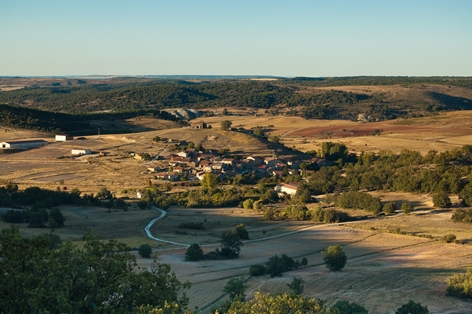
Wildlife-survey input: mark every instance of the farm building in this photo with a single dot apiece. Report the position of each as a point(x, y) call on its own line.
point(290, 189)
point(63, 137)
point(22, 144)
point(198, 125)
point(81, 152)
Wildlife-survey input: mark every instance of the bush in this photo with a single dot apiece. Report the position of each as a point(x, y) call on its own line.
point(460, 285)
point(412, 307)
point(389, 208)
point(242, 232)
point(257, 270)
point(296, 286)
point(407, 208)
point(462, 215)
point(194, 253)
point(334, 257)
point(248, 204)
point(236, 288)
point(441, 200)
point(449, 238)
point(192, 225)
point(145, 250)
point(347, 307)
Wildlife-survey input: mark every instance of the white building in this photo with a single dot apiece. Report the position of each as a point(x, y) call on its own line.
point(81, 152)
point(22, 144)
point(290, 189)
point(63, 137)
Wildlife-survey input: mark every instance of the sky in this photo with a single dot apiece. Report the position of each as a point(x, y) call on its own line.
point(245, 37)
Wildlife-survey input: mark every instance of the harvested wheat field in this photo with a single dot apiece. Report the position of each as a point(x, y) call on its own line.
point(384, 270)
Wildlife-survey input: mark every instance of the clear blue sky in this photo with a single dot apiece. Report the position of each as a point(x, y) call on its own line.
point(220, 37)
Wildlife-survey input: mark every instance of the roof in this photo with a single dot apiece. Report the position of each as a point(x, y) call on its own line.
point(26, 142)
point(288, 186)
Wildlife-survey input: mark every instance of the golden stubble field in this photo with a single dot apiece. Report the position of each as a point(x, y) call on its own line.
point(441, 132)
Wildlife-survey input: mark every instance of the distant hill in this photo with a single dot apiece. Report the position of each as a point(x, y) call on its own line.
point(377, 98)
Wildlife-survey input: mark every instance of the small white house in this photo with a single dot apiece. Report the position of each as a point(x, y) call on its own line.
point(63, 137)
point(81, 152)
point(22, 144)
point(290, 189)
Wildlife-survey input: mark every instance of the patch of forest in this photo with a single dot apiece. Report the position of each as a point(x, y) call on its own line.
point(78, 124)
point(284, 93)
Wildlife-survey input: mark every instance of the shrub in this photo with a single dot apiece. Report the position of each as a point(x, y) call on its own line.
point(145, 250)
point(296, 286)
point(242, 232)
point(389, 208)
point(462, 215)
point(192, 225)
point(236, 288)
point(257, 270)
point(449, 238)
point(194, 253)
point(334, 257)
point(248, 204)
point(347, 307)
point(442, 200)
point(412, 307)
point(407, 208)
point(460, 285)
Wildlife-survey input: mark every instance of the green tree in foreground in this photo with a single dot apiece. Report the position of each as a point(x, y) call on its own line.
point(194, 253)
point(281, 303)
point(101, 277)
point(334, 257)
point(460, 285)
point(412, 308)
point(145, 250)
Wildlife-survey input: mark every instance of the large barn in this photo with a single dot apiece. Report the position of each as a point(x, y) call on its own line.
point(22, 144)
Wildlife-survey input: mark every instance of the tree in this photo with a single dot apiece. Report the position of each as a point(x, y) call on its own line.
point(101, 277)
point(259, 132)
point(209, 181)
point(104, 193)
point(230, 244)
point(334, 257)
point(412, 308)
point(460, 285)
point(389, 208)
point(242, 232)
point(236, 288)
point(194, 253)
point(280, 303)
point(296, 286)
point(248, 204)
point(442, 200)
point(226, 125)
point(145, 250)
point(257, 270)
point(407, 208)
point(56, 216)
point(345, 307)
point(225, 112)
point(11, 187)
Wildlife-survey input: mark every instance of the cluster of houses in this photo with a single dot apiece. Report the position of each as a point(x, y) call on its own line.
point(192, 163)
